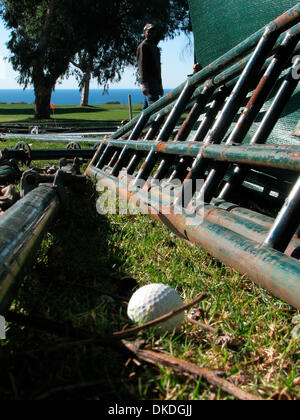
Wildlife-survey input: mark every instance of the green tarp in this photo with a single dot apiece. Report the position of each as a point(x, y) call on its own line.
point(220, 25)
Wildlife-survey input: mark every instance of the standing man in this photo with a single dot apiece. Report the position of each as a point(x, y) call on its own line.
point(149, 66)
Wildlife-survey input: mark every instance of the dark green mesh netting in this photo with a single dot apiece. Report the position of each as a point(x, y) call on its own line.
point(218, 26)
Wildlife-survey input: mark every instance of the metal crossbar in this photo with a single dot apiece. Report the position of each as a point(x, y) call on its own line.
point(158, 166)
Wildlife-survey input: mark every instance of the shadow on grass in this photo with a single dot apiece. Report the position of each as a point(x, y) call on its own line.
point(16, 111)
point(58, 110)
point(74, 267)
point(79, 110)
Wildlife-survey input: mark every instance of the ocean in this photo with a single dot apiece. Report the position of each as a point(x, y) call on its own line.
point(73, 96)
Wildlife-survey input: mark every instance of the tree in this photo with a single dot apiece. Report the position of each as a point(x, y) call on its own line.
point(47, 35)
point(108, 64)
point(83, 67)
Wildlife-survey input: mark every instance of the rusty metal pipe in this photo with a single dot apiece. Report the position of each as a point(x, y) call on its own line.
point(186, 127)
point(260, 219)
point(272, 155)
point(269, 121)
point(22, 228)
point(109, 152)
point(151, 133)
point(234, 102)
point(245, 226)
point(287, 221)
point(269, 268)
point(207, 121)
point(252, 109)
point(282, 23)
point(127, 153)
point(166, 130)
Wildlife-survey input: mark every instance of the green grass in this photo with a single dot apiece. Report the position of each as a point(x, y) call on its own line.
point(65, 114)
point(85, 255)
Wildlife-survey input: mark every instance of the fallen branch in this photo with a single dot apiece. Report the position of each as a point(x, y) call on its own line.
point(201, 325)
point(131, 331)
point(67, 329)
point(133, 348)
point(188, 369)
point(219, 337)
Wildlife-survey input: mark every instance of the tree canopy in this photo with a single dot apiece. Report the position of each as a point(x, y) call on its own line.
point(46, 35)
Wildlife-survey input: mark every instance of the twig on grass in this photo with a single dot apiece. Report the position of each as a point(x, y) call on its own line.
point(219, 336)
point(188, 369)
point(131, 331)
point(134, 348)
point(201, 325)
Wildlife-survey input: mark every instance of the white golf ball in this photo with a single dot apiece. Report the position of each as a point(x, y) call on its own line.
point(151, 302)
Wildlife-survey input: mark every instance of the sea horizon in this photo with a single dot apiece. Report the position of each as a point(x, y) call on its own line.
point(73, 96)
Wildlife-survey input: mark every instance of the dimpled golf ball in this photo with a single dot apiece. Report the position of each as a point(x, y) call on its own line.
point(151, 302)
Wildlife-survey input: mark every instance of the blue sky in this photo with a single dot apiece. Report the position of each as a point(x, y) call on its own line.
point(177, 62)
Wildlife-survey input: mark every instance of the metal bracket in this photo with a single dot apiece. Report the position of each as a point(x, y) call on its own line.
point(29, 181)
point(73, 145)
point(58, 184)
point(22, 145)
point(9, 170)
point(70, 166)
point(32, 179)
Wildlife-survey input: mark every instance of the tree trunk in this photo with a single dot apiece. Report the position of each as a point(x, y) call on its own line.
point(85, 91)
point(42, 102)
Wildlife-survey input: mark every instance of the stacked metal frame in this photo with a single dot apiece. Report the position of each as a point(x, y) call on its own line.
point(215, 110)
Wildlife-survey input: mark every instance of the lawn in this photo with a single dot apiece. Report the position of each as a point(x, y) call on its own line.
point(84, 274)
point(63, 114)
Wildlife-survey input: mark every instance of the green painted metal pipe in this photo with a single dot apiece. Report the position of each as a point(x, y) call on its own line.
point(59, 138)
point(270, 269)
point(281, 23)
point(287, 221)
point(251, 215)
point(273, 156)
point(243, 226)
point(22, 228)
point(48, 154)
point(246, 223)
point(8, 174)
point(229, 76)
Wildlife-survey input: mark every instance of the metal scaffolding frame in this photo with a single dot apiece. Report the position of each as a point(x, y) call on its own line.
point(148, 153)
point(198, 132)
